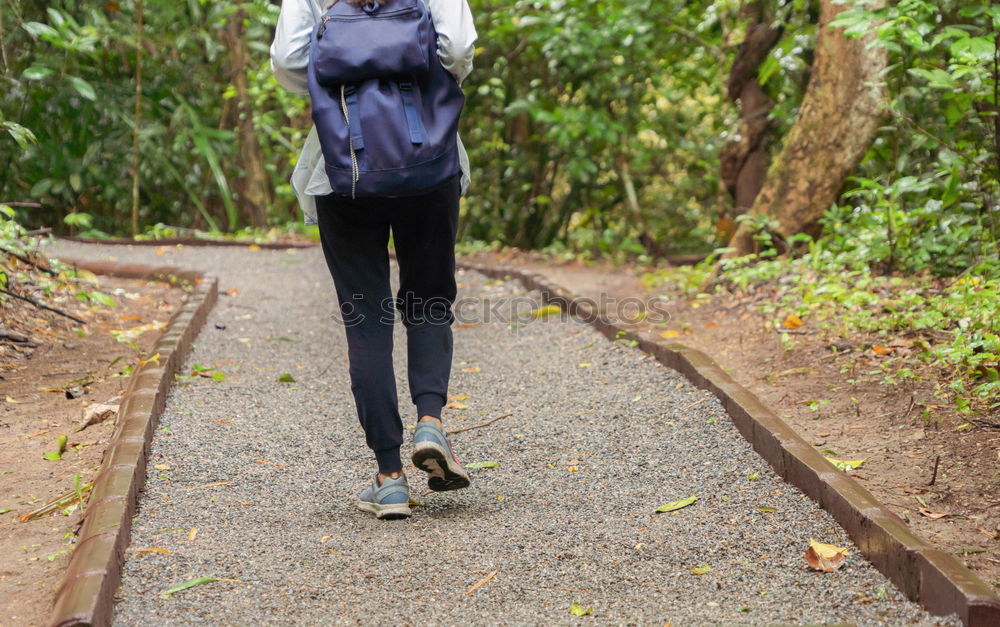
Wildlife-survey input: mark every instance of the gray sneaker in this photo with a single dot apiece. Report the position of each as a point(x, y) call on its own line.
point(389, 501)
point(432, 453)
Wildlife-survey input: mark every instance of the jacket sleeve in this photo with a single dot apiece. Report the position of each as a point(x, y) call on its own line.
point(456, 35)
point(290, 49)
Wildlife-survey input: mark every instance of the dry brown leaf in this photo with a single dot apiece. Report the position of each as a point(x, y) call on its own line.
point(825, 557)
point(98, 412)
point(192, 534)
point(670, 334)
point(882, 350)
point(933, 515)
point(473, 369)
point(713, 325)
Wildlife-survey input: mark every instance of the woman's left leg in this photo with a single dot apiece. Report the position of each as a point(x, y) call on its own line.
point(423, 231)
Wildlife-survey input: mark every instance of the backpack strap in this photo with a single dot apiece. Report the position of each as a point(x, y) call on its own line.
point(354, 116)
point(418, 134)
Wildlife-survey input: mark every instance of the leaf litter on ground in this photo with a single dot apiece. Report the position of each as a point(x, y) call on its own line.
point(199, 581)
point(483, 465)
point(673, 506)
point(825, 557)
point(578, 610)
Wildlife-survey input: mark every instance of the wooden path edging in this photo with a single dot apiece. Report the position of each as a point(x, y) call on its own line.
point(86, 595)
point(936, 580)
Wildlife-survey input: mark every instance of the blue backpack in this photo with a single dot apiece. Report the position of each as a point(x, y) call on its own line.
point(385, 108)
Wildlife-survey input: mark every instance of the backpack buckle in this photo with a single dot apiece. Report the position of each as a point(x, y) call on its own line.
point(350, 90)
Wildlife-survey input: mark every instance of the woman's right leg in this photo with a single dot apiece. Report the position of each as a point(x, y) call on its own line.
point(355, 236)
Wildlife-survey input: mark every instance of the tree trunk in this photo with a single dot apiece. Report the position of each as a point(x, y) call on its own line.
point(744, 162)
point(253, 189)
point(839, 118)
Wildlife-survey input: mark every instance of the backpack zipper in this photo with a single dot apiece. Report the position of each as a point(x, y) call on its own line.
point(322, 26)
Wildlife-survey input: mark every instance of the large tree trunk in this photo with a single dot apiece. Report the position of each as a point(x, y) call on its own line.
point(744, 162)
point(253, 189)
point(839, 118)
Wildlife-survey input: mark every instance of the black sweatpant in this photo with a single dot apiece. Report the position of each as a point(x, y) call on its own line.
point(355, 237)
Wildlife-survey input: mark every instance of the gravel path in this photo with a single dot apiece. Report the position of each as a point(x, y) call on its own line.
point(600, 435)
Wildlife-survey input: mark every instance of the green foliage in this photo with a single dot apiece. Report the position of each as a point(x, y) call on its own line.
point(951, 324)
point(929, 190)
point(577, 106)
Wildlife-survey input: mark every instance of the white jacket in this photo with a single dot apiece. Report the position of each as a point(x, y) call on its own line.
point(290, 55)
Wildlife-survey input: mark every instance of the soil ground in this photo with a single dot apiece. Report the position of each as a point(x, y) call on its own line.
point(836, 405)
point(45, 388)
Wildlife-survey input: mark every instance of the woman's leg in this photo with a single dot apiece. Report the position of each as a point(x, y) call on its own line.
point(423, 231)
point(355, 235)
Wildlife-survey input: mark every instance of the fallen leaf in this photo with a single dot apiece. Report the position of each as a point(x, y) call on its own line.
point(825, 557)
point(577, 610)
point(573, 468)
point(670, 334)
point(456, 405)
point(10, 400)
point(713, 325)
point(458, 397)
point(483, 465)
point(845, 465)
point(212, 485)
point(233, 291)
point(767, 510)
point(548, 310)
point(793, 322)
point(223, 420)
point(253, 247)
point(98, 412)
point(286, 378)
point(932, 515)
point(468, 326)
point(473, 369)
point(703, 570)
point(154, 549)
point(60, 449)
point(586, 365)
point(192, 534)
point(479, 584)
point(162, 467)
point(5, 510)
point(673, 506)
point(200, 581)
point(882, 350)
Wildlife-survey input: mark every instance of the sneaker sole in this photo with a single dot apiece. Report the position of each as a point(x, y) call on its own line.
point(443, 473)
point(385, 512)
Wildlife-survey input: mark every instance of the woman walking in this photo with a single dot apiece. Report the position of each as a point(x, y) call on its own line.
point(350, 180)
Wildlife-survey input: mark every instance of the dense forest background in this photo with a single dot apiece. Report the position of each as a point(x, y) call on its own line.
point(849, 148)
point(638, 128)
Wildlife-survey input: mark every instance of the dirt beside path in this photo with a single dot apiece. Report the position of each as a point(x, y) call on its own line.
point(46, 386)
point(939, 470)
